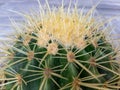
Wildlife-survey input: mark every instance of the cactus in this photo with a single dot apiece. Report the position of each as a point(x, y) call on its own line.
point(61, 50)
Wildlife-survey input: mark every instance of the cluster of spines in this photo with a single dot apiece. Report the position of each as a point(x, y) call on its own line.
point(53, 50)
point(43, 58)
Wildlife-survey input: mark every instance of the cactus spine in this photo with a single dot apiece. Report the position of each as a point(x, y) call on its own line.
point(61, 50)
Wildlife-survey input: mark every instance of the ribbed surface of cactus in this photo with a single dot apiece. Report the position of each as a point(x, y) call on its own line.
point(61, 50)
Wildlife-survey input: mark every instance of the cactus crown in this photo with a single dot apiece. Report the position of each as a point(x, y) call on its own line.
point(61, 50)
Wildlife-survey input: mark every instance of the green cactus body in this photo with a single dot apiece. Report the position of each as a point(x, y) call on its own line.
point(61, 51)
